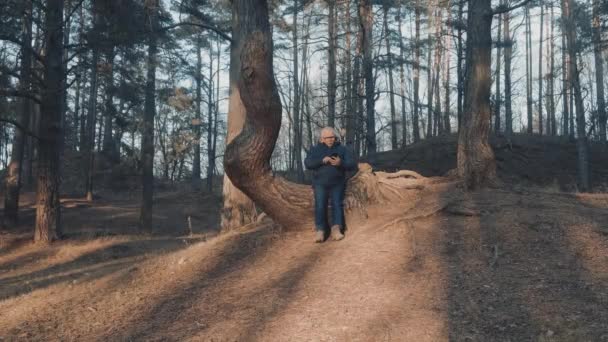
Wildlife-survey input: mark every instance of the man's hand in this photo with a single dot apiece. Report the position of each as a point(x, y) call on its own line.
point(335, 161)
point(326, 160)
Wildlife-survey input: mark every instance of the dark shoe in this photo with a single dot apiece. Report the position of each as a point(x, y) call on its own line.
point(336, 234)
point(319, 236)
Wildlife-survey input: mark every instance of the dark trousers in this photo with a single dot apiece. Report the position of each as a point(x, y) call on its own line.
point(322, 194)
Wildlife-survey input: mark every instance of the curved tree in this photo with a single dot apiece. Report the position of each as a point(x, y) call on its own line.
point(247, 156)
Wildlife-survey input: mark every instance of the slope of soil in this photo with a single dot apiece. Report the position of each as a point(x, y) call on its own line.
point(525, 266)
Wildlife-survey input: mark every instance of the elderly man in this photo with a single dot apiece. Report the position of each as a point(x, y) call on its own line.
point(329, 161)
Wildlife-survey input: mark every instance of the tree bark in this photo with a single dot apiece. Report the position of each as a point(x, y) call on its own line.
point(89, 137)
point(147, 140)
point(476, 164)
point(238, 209)
point(498, 95)
point(540, 70)
point(331, 76)
point(13, 176)
point(581, 139)
point(48, 211)
point(415, 127)
point(508, 52)
point(552, 126)
point(297, 141)
point(366, 17)
point(391, 88)
point(565, 83)
point(459, 68)
point(210, 126)
point(247, 157)
point(599, 70)
point(197, 124)
point(530, 127)
point(404, 127)
point(108, 146)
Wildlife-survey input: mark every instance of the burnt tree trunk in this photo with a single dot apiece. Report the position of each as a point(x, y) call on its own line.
point(508, 53)
point(416, 115)
point(476, 164)
point(599, 70)
point(197, 122)
point(297, 121)
point(331, 77)
point(391, 87)
point(48, 211)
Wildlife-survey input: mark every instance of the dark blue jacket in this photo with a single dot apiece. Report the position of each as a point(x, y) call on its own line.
point(327, 174)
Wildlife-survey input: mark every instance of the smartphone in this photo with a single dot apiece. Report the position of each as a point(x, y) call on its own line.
point(333, 155)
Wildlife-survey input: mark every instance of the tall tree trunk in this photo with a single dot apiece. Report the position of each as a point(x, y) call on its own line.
point(497, 99)
point(429, 80)
point(540, 69)
point(581, 141)
point(391, 88)
point(210, 125)
point(360, 90)
point(297, 141)
point(351, 83)
point(404, 127)
point(48, 211)
point(508, 49)
point(599, 70)
point(530, 127)
point(415, 128)
point(197, 124)
point(476, 164)
point(13, 176)
point(238, 209)
point(565, 83)
point(551, 77)
point(147, 140)
point(460, 59)
point(109, 112)
point(366, 17)
point(446, 73)
point(89, 138)
point(331, 76)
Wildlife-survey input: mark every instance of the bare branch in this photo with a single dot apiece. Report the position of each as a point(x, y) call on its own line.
point(19, 126)
point(201, 25)
point(504, 9)
point(18, 93)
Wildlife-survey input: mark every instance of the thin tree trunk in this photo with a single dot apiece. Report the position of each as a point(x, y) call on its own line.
point(13, 176)
point(351, 83)
point(460, 58)
point(581, 141)
point(366, 17)
point(331, 77)
point(415, 128)
point(391, 87)
point(197, 124)
point(497, 99)
point(429, 80)
point(599, 70)
point(551, 77)
point(48, 210)
point(92, 110)
point(529, 70)
point(210, 124)
point(109, 112)
point(147, 140)
point(565, 83)
point(297, 144)
point(446, 79)
point(476, 164)
point(508, 49)
point(540, 69)
point(404, 127)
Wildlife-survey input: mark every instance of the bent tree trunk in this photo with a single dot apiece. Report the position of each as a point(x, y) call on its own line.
point(247, 157)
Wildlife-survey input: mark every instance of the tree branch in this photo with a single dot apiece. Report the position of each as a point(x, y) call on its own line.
point(504, 9)
point(18, 93)
point(205, 26)
point(15, 40)
point(19, 126)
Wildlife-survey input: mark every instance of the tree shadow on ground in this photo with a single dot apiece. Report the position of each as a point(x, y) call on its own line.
point(515, 276)
point(90, 266)
point(196, 309)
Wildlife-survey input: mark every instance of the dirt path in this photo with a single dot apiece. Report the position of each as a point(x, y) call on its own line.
point(530, 267)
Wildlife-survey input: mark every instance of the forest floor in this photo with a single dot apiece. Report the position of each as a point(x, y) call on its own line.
point(529, 264)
